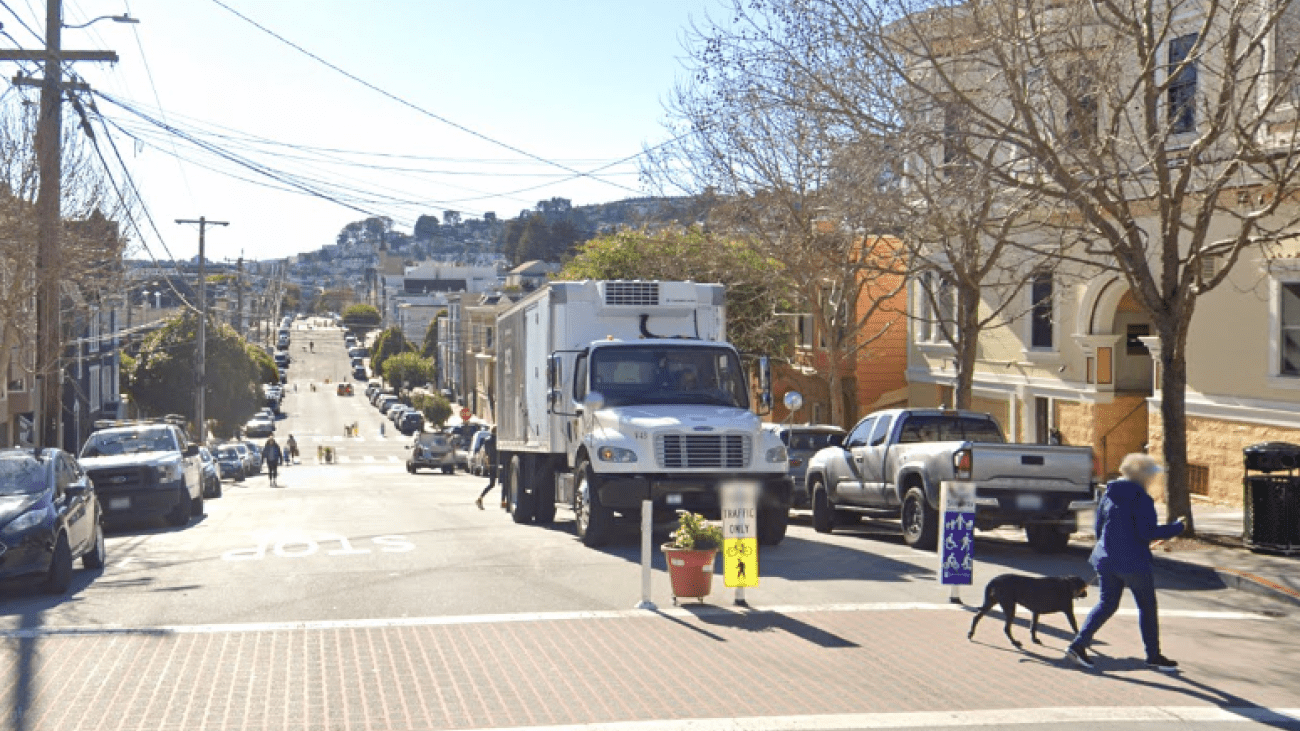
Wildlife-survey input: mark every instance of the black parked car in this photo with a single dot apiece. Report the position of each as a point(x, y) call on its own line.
point(49, 517)
point(410, 423)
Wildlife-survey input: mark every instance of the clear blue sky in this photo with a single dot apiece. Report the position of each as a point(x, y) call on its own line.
point(576, 81)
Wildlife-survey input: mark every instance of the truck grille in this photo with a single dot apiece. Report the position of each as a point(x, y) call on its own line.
point(113, 479)
point(632, 294)
point(690, 451)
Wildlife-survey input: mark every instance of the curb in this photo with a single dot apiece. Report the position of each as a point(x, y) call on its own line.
point(1231, 578)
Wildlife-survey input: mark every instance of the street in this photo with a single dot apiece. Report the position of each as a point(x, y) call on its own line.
point(357, 596)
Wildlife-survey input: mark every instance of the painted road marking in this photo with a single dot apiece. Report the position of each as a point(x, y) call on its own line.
point(299, 546)
point(952, 719)
point(569, 616)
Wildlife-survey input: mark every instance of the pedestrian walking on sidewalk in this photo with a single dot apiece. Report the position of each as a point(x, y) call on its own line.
point(272, 456)
point(490, 452)
point(1126, 526)
point(292, 446)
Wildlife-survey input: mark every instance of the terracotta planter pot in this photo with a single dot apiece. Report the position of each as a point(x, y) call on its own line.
point(690, 571)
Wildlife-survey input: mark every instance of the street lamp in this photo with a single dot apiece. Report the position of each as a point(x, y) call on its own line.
point(123, 18)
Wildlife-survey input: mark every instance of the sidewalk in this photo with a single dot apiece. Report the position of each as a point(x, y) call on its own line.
point(1221, 559)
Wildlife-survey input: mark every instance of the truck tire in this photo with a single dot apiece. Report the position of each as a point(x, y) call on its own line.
point(544, 497)
point(920, 521)
point(180, 514)
point(594, 522)
point(1046, 538)
point(196, 505)
point(772, 524)
point(823, 518)
point(522, 503)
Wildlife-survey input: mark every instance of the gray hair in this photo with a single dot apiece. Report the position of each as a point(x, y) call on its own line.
point(1139, 467)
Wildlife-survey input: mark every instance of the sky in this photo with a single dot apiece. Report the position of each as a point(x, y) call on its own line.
point(577, 83)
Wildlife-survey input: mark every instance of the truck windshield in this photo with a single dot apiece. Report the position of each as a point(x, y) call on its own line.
point(631, 375)
point(938, 428)
point(108, 444)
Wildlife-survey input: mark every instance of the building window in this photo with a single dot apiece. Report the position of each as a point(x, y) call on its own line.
point(1285, 50)
point(804, 332)
point(1182, 85)
point(1041, 327)
point(1290, 329)
point(1133, 343)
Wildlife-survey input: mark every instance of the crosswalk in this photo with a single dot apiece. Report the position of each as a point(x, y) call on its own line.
point(330, 438)
point(355, 459)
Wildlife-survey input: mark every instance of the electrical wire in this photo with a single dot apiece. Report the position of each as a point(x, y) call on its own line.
point(39, 38)
point(416, 107)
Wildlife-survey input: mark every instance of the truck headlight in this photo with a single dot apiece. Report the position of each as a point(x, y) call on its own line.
point(778, 454)
point(615, 454)
point(170, 472)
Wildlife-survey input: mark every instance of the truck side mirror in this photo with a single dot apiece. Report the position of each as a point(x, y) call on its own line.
point(593, 401)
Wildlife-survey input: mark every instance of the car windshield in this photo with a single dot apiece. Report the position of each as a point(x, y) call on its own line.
point(630, 375)
point(943, 428)
point(227, 453)
point(135, 441)
point(21, 474)
point(813, 441)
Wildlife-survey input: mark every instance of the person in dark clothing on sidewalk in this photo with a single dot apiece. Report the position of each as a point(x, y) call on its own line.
point(272, 456)
point(490, 451)
point(1126, 526)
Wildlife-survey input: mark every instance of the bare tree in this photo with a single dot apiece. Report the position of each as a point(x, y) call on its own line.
point(743, 135)
point(91, 243)
point(1167, 127)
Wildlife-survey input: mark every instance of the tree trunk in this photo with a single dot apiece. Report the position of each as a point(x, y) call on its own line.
point(1173, 416)
point(833, 387)
point(966, 347)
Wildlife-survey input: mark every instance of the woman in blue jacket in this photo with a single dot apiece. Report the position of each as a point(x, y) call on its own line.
point(1126, 526)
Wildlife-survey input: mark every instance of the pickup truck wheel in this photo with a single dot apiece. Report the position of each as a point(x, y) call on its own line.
point(1046, 538)
point(180, 514)
point(920, 521)
point(594, 522)
point(196, 505)
point(521, 501)
point(772, 524)
point(823, 518)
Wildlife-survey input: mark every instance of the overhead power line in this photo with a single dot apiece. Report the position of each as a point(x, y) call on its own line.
point(416, 107)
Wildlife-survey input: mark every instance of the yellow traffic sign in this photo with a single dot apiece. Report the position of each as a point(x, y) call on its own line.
point(740, 561)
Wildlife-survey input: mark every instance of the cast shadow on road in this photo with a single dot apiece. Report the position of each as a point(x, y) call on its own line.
point(765, 621)
point(1127, 670)
point(154, 526)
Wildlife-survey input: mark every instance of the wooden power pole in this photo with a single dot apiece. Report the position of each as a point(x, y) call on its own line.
point(201, 344)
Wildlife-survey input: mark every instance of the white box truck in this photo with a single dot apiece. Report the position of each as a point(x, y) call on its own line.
point(609, 393)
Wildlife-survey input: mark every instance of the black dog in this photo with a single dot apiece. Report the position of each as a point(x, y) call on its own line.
point(1039, 595)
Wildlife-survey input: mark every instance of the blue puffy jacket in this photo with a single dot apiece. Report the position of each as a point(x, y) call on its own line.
point(1126, 525)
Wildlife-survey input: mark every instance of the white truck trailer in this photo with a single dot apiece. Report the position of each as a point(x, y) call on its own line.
point(614, 392)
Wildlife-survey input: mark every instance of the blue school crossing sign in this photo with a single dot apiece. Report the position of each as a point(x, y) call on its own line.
point(957, 533)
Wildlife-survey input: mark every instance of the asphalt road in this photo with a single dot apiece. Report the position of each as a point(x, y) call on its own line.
point(363, 546)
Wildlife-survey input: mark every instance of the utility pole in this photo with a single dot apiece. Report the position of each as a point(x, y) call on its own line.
point(49, 127)
point(239, 298)
point(202, 344)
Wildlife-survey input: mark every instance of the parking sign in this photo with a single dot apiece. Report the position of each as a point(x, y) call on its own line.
point(957, 533)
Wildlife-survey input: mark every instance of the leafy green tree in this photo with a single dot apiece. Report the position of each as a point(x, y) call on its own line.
point(161, 380)
point(389, 343)
point(426, 226)
point(334, 300)
point(408, 369)
point(361, 316)
point(756, 284)
point(267, 372)
point(430, 346)
point(435, 408)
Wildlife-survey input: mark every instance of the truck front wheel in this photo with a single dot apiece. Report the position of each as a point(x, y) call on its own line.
point(823, 518)
point(772, 523)
point(920, 521)
point(593, 521)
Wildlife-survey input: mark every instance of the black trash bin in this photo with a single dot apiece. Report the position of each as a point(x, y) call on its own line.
point(1271, 500)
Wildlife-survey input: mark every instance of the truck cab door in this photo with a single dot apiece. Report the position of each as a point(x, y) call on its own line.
point(848, 480)
point(872, 464)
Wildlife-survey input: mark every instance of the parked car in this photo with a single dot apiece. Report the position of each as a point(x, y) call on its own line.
point(359, 373)
point(230, 462)
point(802, 441)
point(411, 422)
point(395, 412)
point(211, 474)
point(433, 451)
point(259, 427)
point(897, 459)
point(246, 455)
point(255, 450)
point(383, 403)
point(145, 469)
point(49, 517)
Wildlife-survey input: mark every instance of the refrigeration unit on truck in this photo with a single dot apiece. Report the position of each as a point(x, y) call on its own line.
point(614, 392)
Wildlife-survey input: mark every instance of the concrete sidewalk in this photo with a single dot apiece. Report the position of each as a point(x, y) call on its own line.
point(1221, 558)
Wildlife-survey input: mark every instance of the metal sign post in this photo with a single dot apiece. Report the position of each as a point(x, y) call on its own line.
point(956, 536)
point(740, 537)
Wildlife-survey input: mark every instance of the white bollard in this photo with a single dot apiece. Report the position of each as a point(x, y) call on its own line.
point(647, 531)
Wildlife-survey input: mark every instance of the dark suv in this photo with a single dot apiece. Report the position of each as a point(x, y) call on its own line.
point(802, 441)
point(410, 423)
point(144, 469)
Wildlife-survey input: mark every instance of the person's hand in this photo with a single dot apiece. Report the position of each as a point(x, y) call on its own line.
point(1181, 522)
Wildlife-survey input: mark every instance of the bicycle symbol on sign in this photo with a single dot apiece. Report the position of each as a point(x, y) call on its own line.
point(740, 549)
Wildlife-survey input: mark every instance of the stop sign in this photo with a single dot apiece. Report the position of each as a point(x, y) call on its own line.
point(464, 414)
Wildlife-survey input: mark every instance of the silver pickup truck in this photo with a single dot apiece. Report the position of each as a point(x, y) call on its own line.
point(894, 461)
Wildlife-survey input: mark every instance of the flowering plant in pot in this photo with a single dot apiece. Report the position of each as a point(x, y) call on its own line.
point(691, 554)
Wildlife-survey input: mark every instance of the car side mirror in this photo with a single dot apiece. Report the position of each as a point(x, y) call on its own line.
point(192, 450)
point(76, 490)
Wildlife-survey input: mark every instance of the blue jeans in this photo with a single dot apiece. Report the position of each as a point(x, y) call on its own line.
point(1143, 588)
